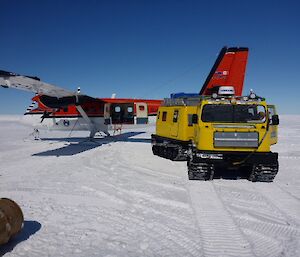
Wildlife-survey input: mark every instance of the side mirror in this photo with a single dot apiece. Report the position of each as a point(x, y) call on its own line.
point(275, 119)
point(195, 119)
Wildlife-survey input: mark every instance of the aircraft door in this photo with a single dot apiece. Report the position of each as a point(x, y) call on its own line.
point(107, 120)
point(122, 113)
point(174, 127)
point(129, 113)
point(141, 113)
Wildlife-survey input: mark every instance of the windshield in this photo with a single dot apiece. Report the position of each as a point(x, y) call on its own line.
point(233, 113)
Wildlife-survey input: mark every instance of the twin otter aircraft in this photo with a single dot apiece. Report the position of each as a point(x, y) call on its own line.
point(60, 109)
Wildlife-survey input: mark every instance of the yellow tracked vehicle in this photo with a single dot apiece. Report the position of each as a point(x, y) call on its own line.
point(219, 132)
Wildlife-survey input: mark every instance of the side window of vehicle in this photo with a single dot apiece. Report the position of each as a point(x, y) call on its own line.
point(271, 113)
point(175, 116)
point(164, 116)
point(261, 113)
point(190, 120)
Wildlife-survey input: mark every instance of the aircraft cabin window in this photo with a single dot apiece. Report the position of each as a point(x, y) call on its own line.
point(164, 116)
point(130, 109)
point(117, 109)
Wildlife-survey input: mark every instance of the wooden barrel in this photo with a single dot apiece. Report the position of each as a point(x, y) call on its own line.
point(11, 219)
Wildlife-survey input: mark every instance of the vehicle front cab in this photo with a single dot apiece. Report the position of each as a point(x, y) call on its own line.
point(232, 132)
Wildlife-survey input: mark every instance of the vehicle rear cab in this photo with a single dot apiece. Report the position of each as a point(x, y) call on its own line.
point(174, 129)
point(232, 133)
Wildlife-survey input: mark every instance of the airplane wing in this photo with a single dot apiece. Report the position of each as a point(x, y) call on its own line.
point(228, 70)
point(49, 95)
point(33, 84)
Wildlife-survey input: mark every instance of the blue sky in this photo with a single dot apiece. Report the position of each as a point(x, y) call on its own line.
point(148, 49)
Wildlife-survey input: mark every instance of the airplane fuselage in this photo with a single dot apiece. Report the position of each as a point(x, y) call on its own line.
point(103, 113)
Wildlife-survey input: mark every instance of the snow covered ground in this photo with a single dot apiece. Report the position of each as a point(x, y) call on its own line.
point(114, 198)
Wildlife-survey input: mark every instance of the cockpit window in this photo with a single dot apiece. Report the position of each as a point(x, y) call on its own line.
point(233, 113)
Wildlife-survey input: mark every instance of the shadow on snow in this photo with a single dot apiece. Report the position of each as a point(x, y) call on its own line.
point(76, 145)
point(30, 227)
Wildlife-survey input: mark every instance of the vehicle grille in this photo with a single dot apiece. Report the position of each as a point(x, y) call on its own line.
point(236, 139)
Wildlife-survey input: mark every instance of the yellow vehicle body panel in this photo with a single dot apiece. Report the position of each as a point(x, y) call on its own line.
point(175, 122)
point(204, 132)
point(204, 138)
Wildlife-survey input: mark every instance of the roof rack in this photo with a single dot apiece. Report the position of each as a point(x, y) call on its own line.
point(184, 101)
point(195, 100)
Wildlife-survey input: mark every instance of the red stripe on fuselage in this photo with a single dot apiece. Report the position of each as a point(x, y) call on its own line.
point(93, 109)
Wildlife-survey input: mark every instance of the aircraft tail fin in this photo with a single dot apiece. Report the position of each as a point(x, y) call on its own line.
point(228, 70)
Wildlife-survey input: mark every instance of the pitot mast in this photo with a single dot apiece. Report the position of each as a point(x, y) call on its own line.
point(11, 219)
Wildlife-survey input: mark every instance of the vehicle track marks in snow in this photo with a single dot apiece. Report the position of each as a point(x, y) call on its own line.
point(289, 193)
point(281, 200)
point(95, 227)
point(219, 233)
point(257, 214)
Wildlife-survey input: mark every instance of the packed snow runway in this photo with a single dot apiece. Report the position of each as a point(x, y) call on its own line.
point(112, 197)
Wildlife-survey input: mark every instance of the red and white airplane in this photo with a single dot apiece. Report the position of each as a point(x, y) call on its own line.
point(61, 109)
